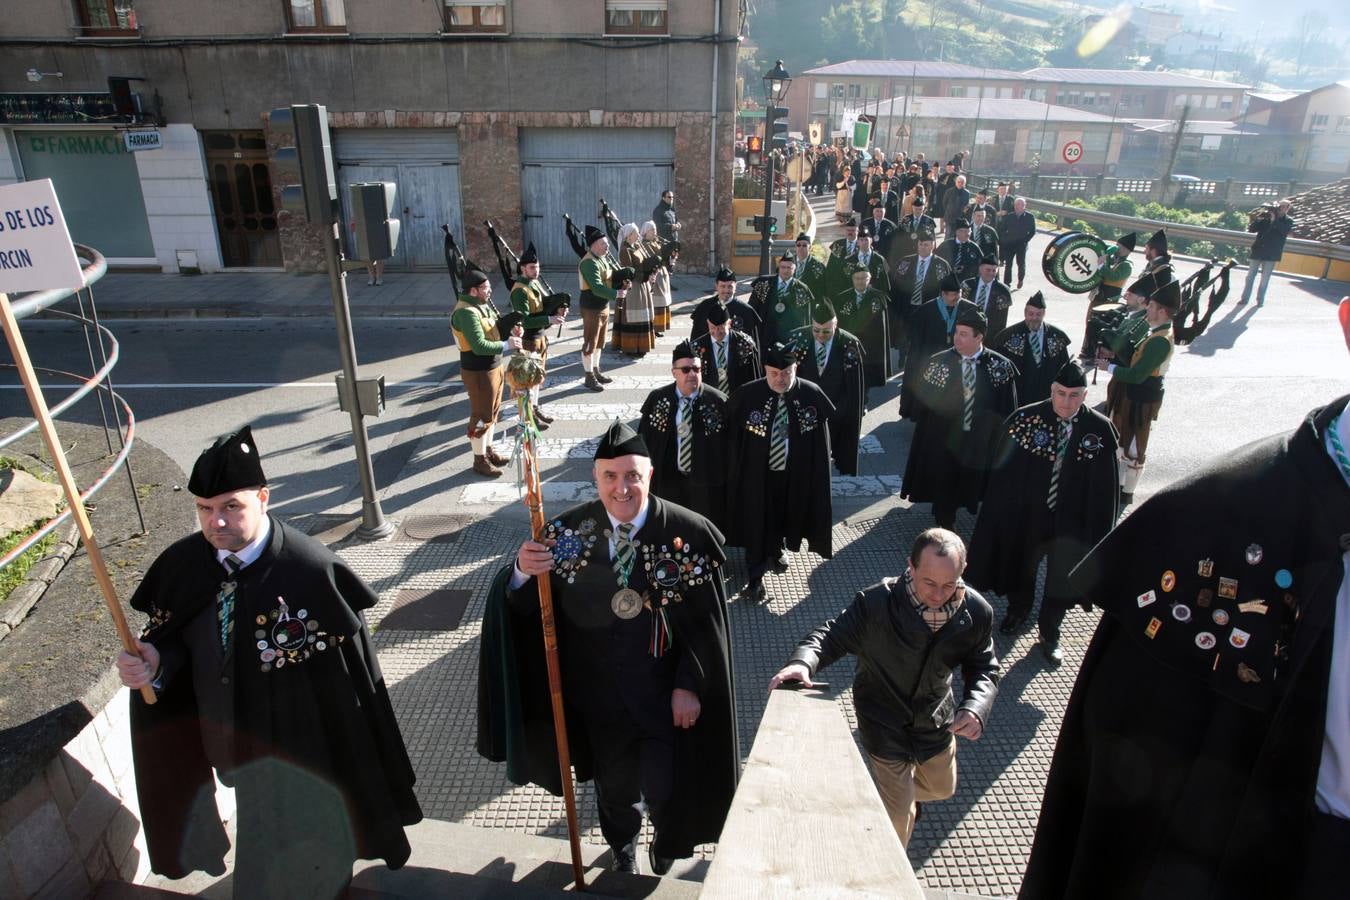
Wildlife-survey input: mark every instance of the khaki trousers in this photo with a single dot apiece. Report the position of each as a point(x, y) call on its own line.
point(594, 323)
point(902, 783)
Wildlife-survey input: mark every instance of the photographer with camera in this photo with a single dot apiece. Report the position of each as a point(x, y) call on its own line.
point(1271, 225)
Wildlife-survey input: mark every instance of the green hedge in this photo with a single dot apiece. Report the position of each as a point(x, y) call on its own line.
point(1125, 205)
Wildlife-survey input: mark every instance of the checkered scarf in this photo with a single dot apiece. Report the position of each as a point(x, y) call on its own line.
point(935, 618)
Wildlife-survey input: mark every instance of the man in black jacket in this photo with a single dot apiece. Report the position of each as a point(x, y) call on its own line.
point(909, 634)
point(1271, 228)
point(1015, 231)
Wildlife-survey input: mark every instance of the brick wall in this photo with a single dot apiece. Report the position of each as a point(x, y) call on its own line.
point(77, 823)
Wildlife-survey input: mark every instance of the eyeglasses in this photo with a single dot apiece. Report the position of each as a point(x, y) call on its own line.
point(688, 370)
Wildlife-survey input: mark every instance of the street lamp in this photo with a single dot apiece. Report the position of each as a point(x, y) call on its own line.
point(776, 82)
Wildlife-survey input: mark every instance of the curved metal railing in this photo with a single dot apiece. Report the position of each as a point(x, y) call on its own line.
point(98, 382)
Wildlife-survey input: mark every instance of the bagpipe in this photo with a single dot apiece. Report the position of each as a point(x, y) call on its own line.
point(457, 264)
point(622, 277)
point(508, 263)
point(1191, 289)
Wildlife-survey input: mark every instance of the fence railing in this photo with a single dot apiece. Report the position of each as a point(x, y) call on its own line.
point(1228, 191)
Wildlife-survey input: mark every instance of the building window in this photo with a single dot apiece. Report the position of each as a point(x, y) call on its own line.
point(1179, 100)
point(821, 90)
point(854, 91)
point(316, 15)
point(636, 17)
point(837, 91)
point(1211, 101)
point(1343, 125)
point(1226, 102)
point(106, 17)
point(956, 90)
point(475, 17)
point(1319, 122)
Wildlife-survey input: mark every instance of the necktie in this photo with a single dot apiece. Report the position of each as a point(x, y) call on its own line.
point(686, 434)
point(1036, 345)
point(225, 600)
point(919, 273)
point(1060, 447)
point(624, 552)
point(968, 393)
point(983, 302)
point(820, 356)
point(723, 378)
point(778, 438)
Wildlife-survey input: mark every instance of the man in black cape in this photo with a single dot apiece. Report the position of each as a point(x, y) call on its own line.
point(864, 311)
point(781, 470)
point(964, 395)
point(810, 270)
point(916, 280)
point(730, 358)
point(960, 252)
point(931, 327)
point(1201, 753)
point(782, 301)
point(685, 427)
point(644, 651)
point(1052, 493)
point(833, 359)
point(743, 318)
point(258, 652)
point(1037, 348)
point(989, 295)
point(839, 272)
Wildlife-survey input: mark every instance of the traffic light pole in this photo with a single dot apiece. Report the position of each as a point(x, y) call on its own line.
point(764, 232)
point(373, 523)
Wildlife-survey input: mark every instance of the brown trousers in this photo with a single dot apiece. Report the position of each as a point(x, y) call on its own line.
point(485, 398)
point(594, 324)
point(903, 783)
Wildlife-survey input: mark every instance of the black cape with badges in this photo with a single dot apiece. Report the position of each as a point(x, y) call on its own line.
point(1033, 379)
point(1186, 765)
point(946, 463)
point(757, 522)
point(779, 324)
point(743, 364)
point(742, 316)
point(870, 321)
point(998, 300)
point(843, 382)
point(929, 334)
point(515, 718)
point(1085, 499)
point(704, 488)
point(317, 758)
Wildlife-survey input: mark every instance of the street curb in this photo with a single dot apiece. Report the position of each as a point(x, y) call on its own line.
point(23, 598)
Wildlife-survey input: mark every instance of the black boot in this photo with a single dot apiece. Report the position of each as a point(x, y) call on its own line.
point(660, 864)
point(625, 859)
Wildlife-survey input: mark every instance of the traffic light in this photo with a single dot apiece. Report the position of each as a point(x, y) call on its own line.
point(758, 223)
point(754, 150)
point(373, 224)
point(305, 169)
point(776, 126)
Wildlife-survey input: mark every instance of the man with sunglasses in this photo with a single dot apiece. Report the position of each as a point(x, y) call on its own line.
point(684, 426)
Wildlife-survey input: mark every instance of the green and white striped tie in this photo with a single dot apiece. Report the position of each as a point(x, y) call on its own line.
point(1036, 345)
point(920, 272)
point(225, 601)
point(778, 438)
point(968, 393)
point(624, 552)
point(685, 434)
point(1061, 446)
point(820, 357)
point(723, 377)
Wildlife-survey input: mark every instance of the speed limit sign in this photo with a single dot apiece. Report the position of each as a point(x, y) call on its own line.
point(1072, 152)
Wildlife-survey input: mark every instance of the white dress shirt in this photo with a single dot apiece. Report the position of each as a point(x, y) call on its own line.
point(1333, 774)
point(249, 555)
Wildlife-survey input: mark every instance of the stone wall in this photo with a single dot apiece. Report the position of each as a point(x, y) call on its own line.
point(78, 822)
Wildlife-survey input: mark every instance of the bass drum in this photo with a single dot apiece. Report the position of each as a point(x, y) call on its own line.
point(1071, 261)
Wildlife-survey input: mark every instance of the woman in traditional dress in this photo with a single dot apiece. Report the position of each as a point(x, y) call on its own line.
point(651, 240)
point(633, 332)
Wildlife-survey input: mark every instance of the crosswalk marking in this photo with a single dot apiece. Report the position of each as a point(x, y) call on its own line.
point(497, 492)
point(584, 448)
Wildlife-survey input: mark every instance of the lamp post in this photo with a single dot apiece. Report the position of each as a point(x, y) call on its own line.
point(776, 82)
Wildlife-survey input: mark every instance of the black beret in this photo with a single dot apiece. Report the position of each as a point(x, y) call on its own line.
point(473, 278)
point(803, 236)
point(867, 230)
point(822, 312)
point(779, 356)
point(621, 440)
point(851, 222)
point(1159, 240)
point(1071, 375)
point(1037, 300)
point(1168, 296)
point(230, 464)
point(788, 257)
point(950, 283)
point(925, 234)
point(1128, 241)
point(725, 274)
point(988, 260)
point(683, 350)
point(960, 223)
point(529, 256)
point(718, 314)
point(593, 234)
point(974, 319)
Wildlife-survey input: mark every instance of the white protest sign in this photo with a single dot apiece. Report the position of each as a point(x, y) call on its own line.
point(36, 252)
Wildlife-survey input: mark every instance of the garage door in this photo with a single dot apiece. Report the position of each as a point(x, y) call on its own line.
point(424, 163)
point(568, 170)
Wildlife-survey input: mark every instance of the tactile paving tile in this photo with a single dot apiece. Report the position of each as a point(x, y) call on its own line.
point(977, 842)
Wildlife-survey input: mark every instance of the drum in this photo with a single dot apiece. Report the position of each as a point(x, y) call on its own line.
point(1070, 261)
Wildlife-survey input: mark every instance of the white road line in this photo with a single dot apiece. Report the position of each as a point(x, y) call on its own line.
point(584, 448)
point(230, 385)
point(577, 491)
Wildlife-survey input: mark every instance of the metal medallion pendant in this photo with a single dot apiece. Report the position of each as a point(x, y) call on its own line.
point(780, 307)
point(626, 603)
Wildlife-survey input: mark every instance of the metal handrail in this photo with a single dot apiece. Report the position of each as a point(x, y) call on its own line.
point(1320, 249)
point(37, 301)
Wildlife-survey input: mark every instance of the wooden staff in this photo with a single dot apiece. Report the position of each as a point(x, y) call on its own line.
point(72, 491)
point(525, 371)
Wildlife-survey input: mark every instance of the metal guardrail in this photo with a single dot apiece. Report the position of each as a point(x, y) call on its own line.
point(99, 380)
point(1319, 249)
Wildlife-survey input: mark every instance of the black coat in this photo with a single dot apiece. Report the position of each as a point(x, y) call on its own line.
point(963, 257)
point(905, 243)
point(986, 238)
point(843, 382)
point(303, 728)
point(996, 309)
point(759, 519)
point(1033, 379)
point(1270, 237)
point(780, 323)
point(954, 202)
point(870, 321)
point(739, 313)
point(948, 465)
point(703, 489)
point(1225, 742)
point(839, 274)
point(903, 689)
point(743, 364)
point(929, 333)
point(515, 722)
point(1007, 533)
point(1014, 230)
